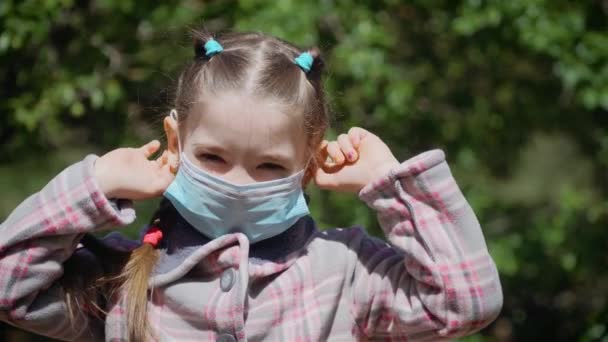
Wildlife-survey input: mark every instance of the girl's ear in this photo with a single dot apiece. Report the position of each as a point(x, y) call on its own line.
point(171, 127)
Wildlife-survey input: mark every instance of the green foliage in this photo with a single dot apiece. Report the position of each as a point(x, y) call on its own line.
point(516, 92)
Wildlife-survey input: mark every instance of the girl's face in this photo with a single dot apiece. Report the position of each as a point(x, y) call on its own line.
point(241, 138)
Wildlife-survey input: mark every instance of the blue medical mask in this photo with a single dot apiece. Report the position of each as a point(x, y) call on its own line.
point(216, 207)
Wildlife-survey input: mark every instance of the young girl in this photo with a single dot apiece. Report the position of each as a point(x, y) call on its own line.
point(231, 254)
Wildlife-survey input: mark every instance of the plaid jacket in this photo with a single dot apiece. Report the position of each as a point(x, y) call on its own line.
point(433, 280)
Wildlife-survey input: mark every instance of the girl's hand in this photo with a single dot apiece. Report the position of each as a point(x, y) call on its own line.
point(357, 158)
point(128, 173)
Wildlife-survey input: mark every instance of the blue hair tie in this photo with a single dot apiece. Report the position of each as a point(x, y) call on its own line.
point(304, 61)
point(212, 48)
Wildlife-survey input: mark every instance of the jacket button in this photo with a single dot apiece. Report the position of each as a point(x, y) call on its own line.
point(227, 279)
point(225, 338)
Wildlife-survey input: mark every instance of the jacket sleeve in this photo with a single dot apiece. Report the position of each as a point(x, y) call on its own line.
point(435, 278)
point(35, 241)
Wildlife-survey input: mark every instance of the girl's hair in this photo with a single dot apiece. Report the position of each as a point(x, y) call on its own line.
point(253, 63)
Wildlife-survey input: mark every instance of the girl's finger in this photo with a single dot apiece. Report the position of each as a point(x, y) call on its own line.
point(173, 168)
point(168, 174)
point(322, 152)
point(162, 160)
point(150, 148)
point(161, 180)
point(165, 157)
point(356, 134)
point(347, 147)
point(333, 149)
point(323, 145)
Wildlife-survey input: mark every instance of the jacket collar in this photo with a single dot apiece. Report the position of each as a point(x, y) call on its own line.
point(184, 248)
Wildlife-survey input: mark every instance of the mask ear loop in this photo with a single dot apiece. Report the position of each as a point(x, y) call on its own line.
point(173, 114)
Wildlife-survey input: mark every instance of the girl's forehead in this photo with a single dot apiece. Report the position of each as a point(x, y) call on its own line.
point(239, 120)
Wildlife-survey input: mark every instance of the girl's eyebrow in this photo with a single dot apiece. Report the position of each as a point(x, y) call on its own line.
point(210, 147)
point(278, 158)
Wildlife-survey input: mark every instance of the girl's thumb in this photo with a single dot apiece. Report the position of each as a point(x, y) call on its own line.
point(149, 148)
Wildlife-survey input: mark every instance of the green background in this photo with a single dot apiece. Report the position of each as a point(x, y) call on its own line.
point(515, 92)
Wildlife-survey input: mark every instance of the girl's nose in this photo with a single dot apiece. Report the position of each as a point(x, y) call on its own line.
point(239, 176)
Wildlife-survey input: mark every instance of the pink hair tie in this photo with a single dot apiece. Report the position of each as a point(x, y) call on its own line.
point(153, 236)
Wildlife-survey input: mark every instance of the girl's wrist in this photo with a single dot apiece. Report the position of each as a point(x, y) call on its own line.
point(383, 169)
point(100, 173)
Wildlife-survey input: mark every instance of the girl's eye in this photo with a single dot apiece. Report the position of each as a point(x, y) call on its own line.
point(271, 166)
point(209, 157)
